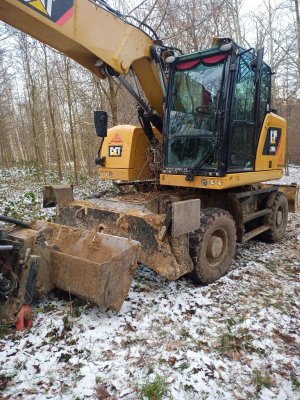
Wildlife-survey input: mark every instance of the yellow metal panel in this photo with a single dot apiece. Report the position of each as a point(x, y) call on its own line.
point(269, 162)
point(120, 136)
point(226, 182)
point(115, 174)
point(91, 33)
point(148, 76)
point(124, 150)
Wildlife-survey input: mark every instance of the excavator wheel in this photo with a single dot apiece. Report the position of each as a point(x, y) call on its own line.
point(212, 246)
point(277, 219)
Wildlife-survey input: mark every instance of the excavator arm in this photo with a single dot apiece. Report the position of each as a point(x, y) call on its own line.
point(86, 32)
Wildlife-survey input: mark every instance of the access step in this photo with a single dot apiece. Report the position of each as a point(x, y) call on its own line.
point(257, 214)
point(255, 232)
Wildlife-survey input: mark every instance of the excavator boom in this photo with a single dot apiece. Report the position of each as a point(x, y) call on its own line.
point(87, 33)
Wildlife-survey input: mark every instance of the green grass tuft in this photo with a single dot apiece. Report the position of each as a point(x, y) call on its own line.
point(262, 380)
point(155, 390)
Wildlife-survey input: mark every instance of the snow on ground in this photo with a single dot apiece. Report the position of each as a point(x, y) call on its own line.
point(235, 339)
point(293, 175)
point(21, 192)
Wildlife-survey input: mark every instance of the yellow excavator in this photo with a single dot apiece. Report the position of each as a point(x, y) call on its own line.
point(189, 178)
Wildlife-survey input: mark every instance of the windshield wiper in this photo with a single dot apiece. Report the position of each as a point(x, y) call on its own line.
point(206, 158)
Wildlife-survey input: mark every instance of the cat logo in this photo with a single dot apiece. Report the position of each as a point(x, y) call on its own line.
point(273, 136)
point(115, 151)
point(58, 11)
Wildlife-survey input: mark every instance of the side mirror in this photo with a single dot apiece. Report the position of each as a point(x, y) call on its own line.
point(100, 121)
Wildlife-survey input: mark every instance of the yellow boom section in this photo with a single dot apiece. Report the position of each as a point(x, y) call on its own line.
point(86, 32)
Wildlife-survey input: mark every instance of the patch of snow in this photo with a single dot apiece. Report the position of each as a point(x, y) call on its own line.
point(237, 338)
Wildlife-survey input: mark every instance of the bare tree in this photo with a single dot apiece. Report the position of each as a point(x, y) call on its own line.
point(52, 113)
point(32, 98)
point(47, 116)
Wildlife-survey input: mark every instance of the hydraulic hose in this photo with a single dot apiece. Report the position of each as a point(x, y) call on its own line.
point(11, 220)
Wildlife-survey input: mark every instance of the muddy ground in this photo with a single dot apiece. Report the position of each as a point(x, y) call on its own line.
point(235, 339)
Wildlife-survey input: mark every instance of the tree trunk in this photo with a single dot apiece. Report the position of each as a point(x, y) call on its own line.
point(298, 31)
point(70, 116)
point(52, 115)
point(32, 102)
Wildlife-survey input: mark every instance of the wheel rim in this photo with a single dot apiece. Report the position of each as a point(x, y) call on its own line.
point(279, 217)
point(216, 248)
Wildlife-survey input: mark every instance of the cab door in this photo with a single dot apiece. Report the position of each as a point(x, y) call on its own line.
point(241, 135)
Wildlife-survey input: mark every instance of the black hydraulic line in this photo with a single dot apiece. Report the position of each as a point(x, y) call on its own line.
point(173, 48)
point(155, 52)
point(103, 4)
point(157, 121)
point(146, 120)
point(146, 125)
point(143, 24)
point(11, 220)
point(131, 90)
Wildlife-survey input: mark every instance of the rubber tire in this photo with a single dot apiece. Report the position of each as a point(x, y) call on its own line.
point(277, 231)
point(212, 220)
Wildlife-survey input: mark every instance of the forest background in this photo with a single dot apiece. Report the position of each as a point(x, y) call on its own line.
point(47, 100)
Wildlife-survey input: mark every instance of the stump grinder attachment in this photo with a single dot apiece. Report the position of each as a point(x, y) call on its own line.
point(44, 256)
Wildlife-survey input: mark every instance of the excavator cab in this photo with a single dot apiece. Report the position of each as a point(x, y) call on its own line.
point(193, 106)
point(217, 104)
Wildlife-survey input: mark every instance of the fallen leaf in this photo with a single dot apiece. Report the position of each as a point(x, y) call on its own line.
point(102, 393)
point(286, 338)
point(130, 328)
point(37, 368)
point(234, 355)
point(172, 361)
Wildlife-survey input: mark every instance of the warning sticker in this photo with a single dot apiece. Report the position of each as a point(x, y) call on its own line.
point(116, 139)
point(58, 11)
